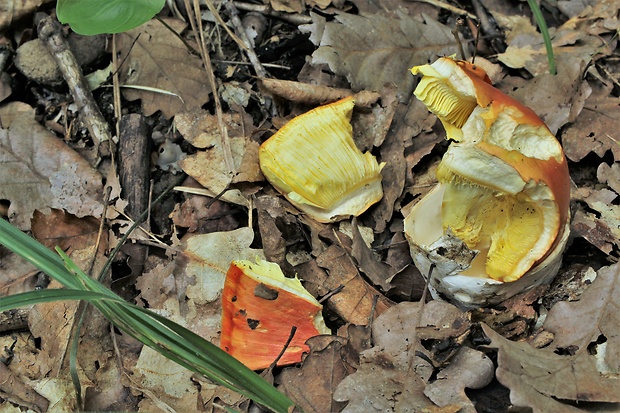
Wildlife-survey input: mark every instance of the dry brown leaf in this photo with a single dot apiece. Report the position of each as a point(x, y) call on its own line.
point(209, 257)
point(39, 171)
point(394, 172)
point(287, 6)
point(469, 369)
point(377, 271)
point(371, 51)
point(16, 274)
point(558, 99)
point(578, 365)
point(313, 385)
point(202, 215)
point(5, 85)
point(208, 167)
point(76, 236)
point(593, 320)
point(279, 229)
point(52, 323)
point(385, 381)
point(593, 230)
point(163, 383)
point(538, 378)
point(571, 42)
point(609, 175)
point(354, 303)
point(15, 391)
point(13, 10)
point(603, 228)
point(374, 389)
point(595, 130)
point(155, 57)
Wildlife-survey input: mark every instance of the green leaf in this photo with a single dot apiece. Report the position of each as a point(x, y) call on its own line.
point(90, 17)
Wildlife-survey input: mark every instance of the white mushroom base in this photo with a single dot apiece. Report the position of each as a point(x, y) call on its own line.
point(459, 275)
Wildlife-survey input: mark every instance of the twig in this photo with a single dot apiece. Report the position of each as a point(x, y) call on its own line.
point(418, 316)
point(50, 34)
point(234, 18)
point(267, 10)
point(448, 7)
point(196, 23)
point(288, 343)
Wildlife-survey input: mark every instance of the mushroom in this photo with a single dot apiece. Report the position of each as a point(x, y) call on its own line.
point(314, 163)
point(260, 306)
point(498, 221)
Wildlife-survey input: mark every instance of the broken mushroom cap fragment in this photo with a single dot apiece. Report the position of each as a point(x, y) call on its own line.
point(498, 219)
point(314, 163)
point(260, 306)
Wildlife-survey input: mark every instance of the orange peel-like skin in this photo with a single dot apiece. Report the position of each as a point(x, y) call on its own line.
point(255, 329)
point(550, 171)
point(553, 173)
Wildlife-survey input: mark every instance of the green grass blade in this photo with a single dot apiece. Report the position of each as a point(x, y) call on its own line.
point(166, 337)
point(544, 30)
point(46, 296)
point(36, 253)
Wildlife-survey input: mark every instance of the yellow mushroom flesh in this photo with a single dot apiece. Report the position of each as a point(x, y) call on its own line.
point(504, 178)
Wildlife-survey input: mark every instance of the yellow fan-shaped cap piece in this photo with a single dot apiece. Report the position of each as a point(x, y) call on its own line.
point(314, 163)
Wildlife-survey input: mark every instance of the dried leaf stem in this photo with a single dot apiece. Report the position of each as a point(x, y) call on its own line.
point(196, 23)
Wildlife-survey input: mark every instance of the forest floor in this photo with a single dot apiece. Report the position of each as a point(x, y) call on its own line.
point(552, 348)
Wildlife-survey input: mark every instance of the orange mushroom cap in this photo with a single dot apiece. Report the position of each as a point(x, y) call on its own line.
point(507, 183)
point(259, 308)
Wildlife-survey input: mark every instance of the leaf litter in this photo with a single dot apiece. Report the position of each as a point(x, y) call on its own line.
point(554, 348)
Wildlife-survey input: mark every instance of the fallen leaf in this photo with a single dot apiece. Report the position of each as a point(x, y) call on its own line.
point(155, 57)
point(514, 317)
point(371, 51)
point(315, 95)
point(288, 6)
point(570, 43)
point(355, 302)
point(609, 175)
point(59, 392)
point(468, 369)
point(279, 229)
point(163, 382)
point(557, 99)
point(15, 391)
point(593, 320)
point(533, 376)
point(386, 379)
point(594, 130)
point(313, 385)
point(586, 367)
point(393, 176)
point(595, 231)
point(203, 215)
point(75, 236)
point(52, 323)
point(377, 271)
point(16, 274)
point(39, 171)
point(208, 167)
point(376, 389)
point(209, 257)
point(12, 11)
